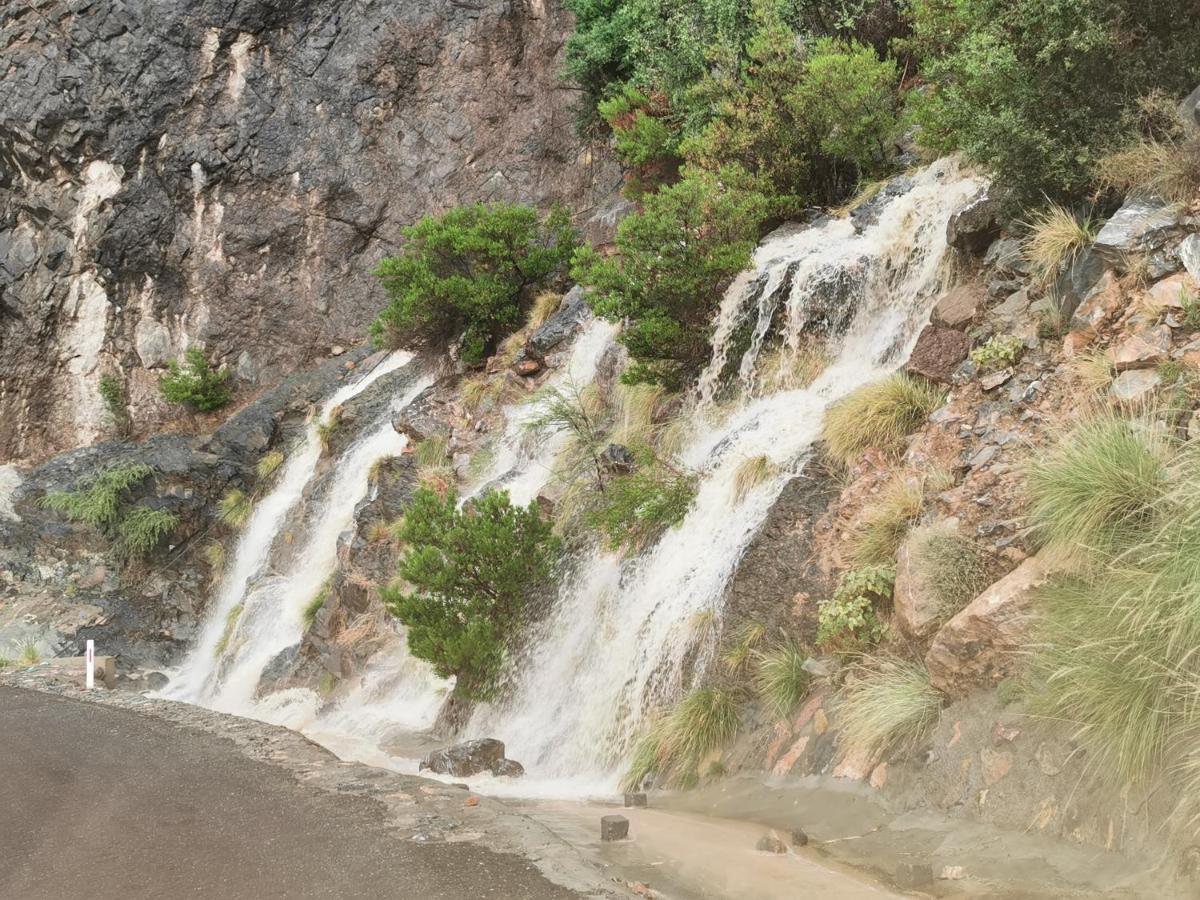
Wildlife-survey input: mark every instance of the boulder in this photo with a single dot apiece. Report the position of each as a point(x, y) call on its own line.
point(466, 759)
point(771, 843)
point(617, 459)
point(1189, 253)
point(572, 312)
point(1078, 280)
point(508, 768)
point(1135, 385)
point(1103, 301)
point(1142, 225)
point(1143, 350)
point(867, 213)
point(527, 367)
point(1006, 258)
point(938, 353)
point(974, 227)
point(978, 647)
point(636, 799)
point(958, 306)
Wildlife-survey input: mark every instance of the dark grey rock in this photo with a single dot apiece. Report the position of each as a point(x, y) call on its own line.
point(572, 312)
point(617, 459)
point(508, 768)
point(1078, 280)
point(466, 759)
point(914, 876)
point(867, 213)
point(771, 843)
point(799, 838)
point(1005, 257)
point(975, 226)
point(635, 800)
point(1141, 225)
point(614, 828)
point(1189, 110)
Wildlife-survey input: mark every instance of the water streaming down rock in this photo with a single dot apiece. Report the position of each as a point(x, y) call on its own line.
point(201, 677)
point(619, 640)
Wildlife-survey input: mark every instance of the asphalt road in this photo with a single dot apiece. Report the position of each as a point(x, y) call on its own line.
point(101, 803)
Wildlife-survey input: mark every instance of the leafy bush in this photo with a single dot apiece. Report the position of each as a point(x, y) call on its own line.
point(848, 621)
point(196, 383)
point(879, 415)
point(636, 508)
point(1056, 236)
point(471, 572)
point(1099, 482)
point(781, 679)
point(1000, 351)
point(675, 259)
point(891, 705)
point(470, 272)
point(1039, 90)
point(886, 521)
point(705, 720)
point(647, 140)
point(96, 501)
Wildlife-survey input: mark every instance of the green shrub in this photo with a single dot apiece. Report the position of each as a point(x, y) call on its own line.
point(890, 705)
point(1039, 90)
point(848, 621)
point(96, 501)
point(636, 508)
point(1000, 351)
point(141, 529)
point(880, 416)
point(1099, 482)
point(675, 259)
point(781, 679)
point(471, 572)
point(196, 383)
point(469, 273)
point(673, 749)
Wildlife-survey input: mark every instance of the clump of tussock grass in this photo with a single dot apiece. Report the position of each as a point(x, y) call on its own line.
point(231, 622)
point(634, 410)
point(431, 452)
point(780, 678)
point(879, 415)
point(5, 662)
point(96, 501)
point(886, 521)
point(751, 472)
point(1055, 237)
point(544, 306)
point(268, 465)
point(141, 529)
point(327, 428)
point(674, 748)
point(309, 614)
point(28, 654)
point(738, 653)
point(215, 556)
point(379, 532)
point(1166, 169)
point(785, 369)
point(954, 567)
point(1100, 481)
point(233, 509)
point(1094, 370)
point(888, 705)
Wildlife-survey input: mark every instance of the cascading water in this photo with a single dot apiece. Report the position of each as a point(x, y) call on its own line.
point(224, 665)
point(616, 644)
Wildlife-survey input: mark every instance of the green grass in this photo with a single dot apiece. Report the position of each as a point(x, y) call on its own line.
point(1100, 481)
point(674, 748)
point(751, 472)
point(268, 465)
point(328, 427)
point(316, 604)
point(141, 529)
point(952, 566)
point(886, 521)
point(431, 453)
point(1056, 236)
point(785, 369)
point(5, 662)
point(96, 501)
point(740, 650)
point(214, 555)
point(879, 415)
point(234, 507)
point(28, 654)
point(889, 705)
point(231, 621)
point(780, 679)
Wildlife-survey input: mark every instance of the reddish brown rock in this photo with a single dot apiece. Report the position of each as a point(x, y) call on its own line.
point(938, 353)
point(1143, 350)
point(916, 610)
point(527, 367)
point(1102, 302)
point(977, 647)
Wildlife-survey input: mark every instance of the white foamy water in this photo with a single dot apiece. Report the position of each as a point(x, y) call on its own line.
point(524, 461)
point(614, 648)
point(196, 680)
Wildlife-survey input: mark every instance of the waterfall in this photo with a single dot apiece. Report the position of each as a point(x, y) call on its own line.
point(247, 582)
point(615, 646)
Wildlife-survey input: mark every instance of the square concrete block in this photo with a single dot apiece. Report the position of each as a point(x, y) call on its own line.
point(632, 800)
point(614, 828)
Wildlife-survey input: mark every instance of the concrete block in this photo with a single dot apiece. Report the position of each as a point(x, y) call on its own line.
point(614, 828)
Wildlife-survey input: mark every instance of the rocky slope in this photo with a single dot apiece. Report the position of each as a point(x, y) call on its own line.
point(228, 173)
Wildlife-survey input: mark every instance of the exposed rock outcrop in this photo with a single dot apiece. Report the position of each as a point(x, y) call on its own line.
point(471, 758)
point(227, 173)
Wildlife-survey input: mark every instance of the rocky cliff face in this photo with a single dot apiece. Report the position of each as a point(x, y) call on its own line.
point(227, 173)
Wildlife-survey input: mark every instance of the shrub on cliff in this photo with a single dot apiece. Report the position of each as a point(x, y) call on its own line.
point(469, 573)
point(101, 501)
point(674, 260)
point(1040, 90)
point(470, 273)
point(195, 383)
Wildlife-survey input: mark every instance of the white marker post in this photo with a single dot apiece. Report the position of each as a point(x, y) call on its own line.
point(90, 658)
